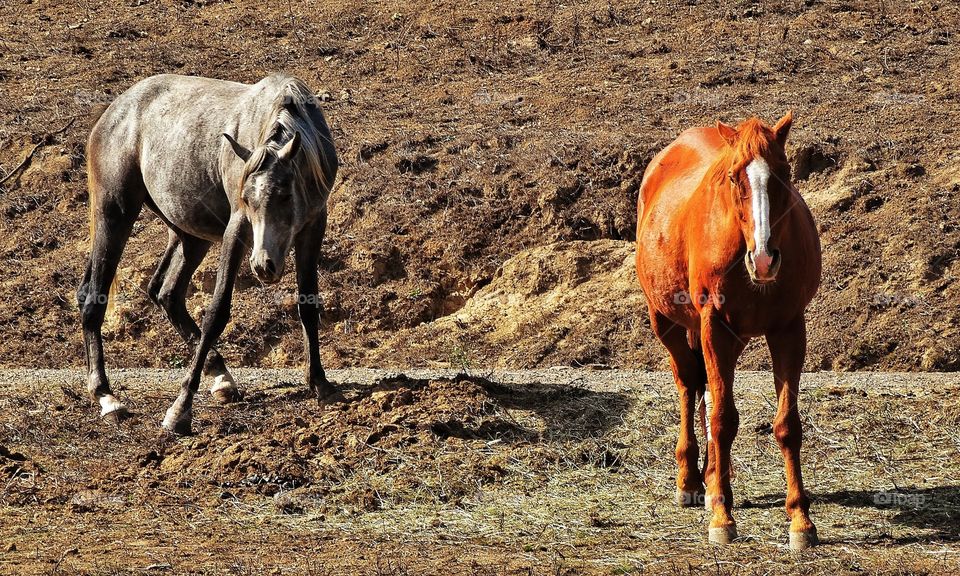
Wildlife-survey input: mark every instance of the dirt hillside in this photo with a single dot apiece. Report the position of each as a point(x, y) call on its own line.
point(475, 137)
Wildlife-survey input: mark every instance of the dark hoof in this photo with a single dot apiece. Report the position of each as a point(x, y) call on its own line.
point(329, 395)
point(177, 425)
point(226, 394)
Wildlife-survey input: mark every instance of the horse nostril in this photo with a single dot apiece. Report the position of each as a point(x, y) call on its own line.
point(270, 267)
point(776, 259)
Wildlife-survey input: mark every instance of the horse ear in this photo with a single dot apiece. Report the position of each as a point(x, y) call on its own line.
point(291, 148)
point(240, 151)
point(782, 128)
point(728, 132)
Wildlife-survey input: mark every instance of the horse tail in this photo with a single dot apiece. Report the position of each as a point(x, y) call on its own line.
point(93, 186)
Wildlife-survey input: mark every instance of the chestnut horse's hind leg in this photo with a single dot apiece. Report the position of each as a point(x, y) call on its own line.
point(168, 289)
point(787, 349)
point(721, 349)
point(115, 212)
point(690, 377)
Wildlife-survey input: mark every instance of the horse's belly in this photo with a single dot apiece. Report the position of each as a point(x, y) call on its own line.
point(204, 216)
point(663, 276)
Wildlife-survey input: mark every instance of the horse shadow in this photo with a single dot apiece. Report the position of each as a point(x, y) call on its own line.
point(564, 412)
point(568, 411)
point(935, 508)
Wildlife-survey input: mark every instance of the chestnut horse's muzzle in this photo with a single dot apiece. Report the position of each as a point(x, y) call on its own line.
point(763, 267)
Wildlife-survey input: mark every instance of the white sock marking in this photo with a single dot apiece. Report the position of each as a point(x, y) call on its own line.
point(708, 405)
point(223, 381)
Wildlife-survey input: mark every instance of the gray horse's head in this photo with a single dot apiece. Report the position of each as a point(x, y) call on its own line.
point(272, 200)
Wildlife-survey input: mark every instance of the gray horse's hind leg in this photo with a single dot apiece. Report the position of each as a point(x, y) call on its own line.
point(168, 290)
point(116, 211)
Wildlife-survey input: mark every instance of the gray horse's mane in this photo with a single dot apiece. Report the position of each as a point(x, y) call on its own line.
point(290, 112)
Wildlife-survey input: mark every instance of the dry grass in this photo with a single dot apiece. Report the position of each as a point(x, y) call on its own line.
point(563, 472)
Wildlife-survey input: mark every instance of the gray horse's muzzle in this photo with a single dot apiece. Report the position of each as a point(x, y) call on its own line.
point(268, 270)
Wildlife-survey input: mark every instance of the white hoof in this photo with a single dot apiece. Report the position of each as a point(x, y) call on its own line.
point(224, 389)
point(178, 423)
point(109, 405)
point(723, 534)
point(803, 540)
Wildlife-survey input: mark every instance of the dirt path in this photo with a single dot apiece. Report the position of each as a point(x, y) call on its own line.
point(554, 471)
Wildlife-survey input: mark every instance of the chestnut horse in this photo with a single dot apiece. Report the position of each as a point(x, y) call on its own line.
point(727, 250)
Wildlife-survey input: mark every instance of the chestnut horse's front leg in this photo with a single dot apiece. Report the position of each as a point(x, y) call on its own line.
point(235, 241)
point(788, 349)
point(309, 306)
point(721, 348)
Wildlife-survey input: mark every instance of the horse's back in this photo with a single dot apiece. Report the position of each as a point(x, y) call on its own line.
point(163, 134)
point(683, 162)
point(159, 112)
point(666, 193)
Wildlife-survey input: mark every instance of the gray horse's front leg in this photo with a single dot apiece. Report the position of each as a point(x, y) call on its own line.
point(235, 241)
point(309, 305)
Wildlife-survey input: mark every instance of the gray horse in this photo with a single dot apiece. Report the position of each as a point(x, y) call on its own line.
point(174, 144)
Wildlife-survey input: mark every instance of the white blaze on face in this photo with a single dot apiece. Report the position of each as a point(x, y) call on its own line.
point(256, 198)
point(256, 220)
point(758, 173)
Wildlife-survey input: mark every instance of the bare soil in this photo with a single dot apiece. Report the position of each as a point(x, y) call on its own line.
point(555, 471)
point(483, 219)
point(472, 139)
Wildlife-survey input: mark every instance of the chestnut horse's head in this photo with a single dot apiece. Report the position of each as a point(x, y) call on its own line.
point(758, 177)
